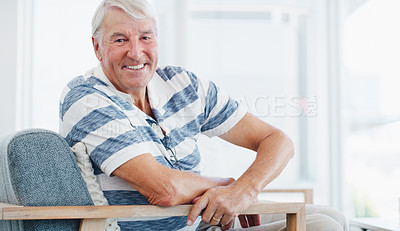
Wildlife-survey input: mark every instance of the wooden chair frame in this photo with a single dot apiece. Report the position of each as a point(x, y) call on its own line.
point(94, 217)
point(308, 193)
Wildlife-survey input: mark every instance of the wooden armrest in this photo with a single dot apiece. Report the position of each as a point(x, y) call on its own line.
point(95, 216)
point(307, 192)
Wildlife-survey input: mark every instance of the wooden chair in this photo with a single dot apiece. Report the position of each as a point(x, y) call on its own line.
point(308, 193)
point(42, 189)
point(94, 217)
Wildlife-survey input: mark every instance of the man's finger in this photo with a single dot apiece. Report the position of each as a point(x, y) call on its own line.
point(195, 200)
point(200, 204)
point(226, 219)
point(209, 212)
point(227, 226)
point(216, 219)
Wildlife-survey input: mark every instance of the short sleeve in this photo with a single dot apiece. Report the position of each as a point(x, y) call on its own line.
point(221, 112)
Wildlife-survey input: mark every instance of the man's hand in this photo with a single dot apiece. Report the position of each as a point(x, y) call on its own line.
point(222, 204)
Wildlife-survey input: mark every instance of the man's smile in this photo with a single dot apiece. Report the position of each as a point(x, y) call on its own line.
point(137, 67)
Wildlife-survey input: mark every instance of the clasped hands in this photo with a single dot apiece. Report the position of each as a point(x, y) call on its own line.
point(222, 204)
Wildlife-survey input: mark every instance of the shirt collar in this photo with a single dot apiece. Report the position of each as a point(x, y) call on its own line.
point(99, 73)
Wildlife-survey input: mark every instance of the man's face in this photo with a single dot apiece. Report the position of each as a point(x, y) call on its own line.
point(129, 51)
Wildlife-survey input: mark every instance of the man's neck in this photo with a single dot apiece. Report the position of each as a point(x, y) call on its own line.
point(142, 102)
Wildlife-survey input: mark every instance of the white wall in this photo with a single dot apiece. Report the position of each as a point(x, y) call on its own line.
point(8, 65)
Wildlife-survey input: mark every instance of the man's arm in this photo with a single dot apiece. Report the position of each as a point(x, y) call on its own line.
point(274, 150)
point(164, 186)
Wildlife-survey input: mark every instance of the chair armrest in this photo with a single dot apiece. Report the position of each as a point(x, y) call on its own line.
point(94, 216)
point(307, 192)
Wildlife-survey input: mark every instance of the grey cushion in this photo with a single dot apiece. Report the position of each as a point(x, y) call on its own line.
point(38, 168)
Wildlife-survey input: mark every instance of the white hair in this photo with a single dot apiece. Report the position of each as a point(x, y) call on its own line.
point(136, 9)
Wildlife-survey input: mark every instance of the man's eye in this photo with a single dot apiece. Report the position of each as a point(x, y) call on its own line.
point(119, 40)
point(146, 38)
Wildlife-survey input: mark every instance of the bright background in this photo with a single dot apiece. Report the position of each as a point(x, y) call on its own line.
point(324, 71)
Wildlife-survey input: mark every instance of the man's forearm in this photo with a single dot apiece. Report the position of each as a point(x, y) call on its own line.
point(274, 150)
point(164, 186)
point(273, 154)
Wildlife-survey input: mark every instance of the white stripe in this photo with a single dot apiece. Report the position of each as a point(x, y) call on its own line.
point(185, 148)
point(122, 156)
point(81, 108)
point(113, 183)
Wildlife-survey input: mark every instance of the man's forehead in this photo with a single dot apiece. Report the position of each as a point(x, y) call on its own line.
point(116, 17)
point(116, 33)
point(134, 27)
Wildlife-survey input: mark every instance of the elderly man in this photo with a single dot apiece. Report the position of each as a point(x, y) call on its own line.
point(140, 124)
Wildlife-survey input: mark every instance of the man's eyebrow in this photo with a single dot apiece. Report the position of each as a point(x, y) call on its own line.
point(149, 31)
point(116, 34)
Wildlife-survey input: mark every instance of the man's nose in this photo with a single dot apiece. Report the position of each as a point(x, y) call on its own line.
point(135, 49)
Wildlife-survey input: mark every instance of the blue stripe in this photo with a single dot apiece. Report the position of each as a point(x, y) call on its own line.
point(175, 137)
point(90, 82)
point(60, 111)
point(157, 114)
point(124, 197)
point(151, 121)
point(211, 99)
point(76, 82)
point(193, 79)
point(81, 88)
point(189, 162)
point(190, 129)
point(193, 127)
point(96, 169)
point(179, 101)
point(222, 116)
point(168, 72)
point(178, 135)
point(167, 224)
point(93, 80)
point(137, 135)
point(91, 122)
point(74, 95)
point(121, 103)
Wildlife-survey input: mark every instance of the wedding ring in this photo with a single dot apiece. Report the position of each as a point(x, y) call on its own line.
point(215, 219)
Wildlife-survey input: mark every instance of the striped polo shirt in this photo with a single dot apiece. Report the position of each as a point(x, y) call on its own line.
point(114, 130)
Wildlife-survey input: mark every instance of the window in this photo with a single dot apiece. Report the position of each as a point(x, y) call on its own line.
point(370, 112)
point(253, 51)
point(61, 50)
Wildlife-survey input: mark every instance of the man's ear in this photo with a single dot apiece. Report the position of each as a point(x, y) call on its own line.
point(96, 47)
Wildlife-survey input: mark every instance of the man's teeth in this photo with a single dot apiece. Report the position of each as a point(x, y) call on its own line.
point(135, 67)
